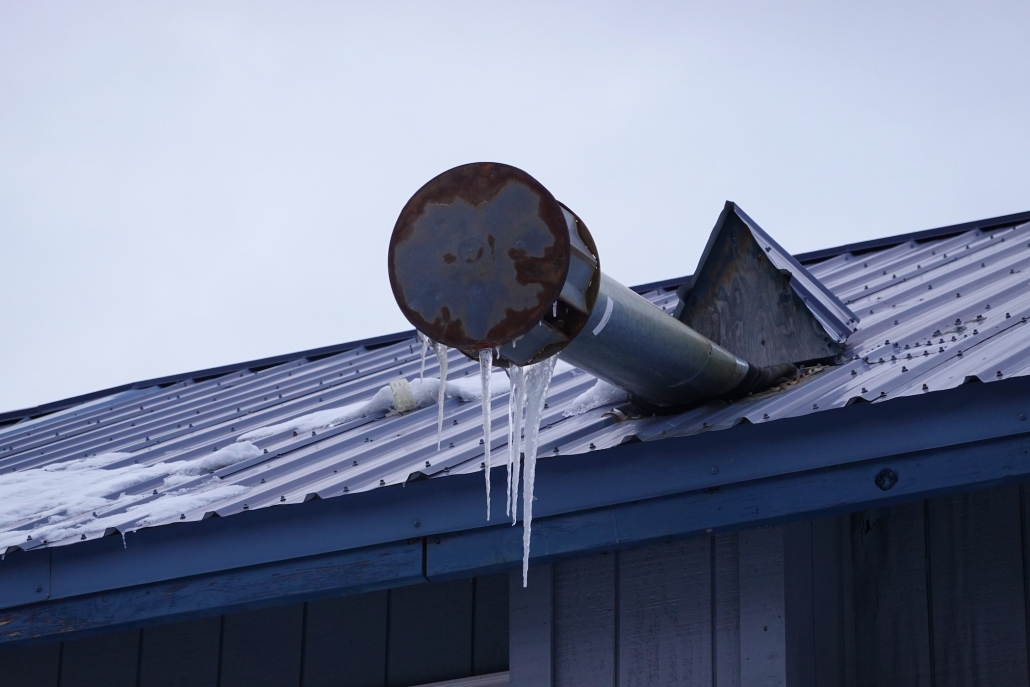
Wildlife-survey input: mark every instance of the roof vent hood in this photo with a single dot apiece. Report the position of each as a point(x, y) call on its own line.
point(483, 256)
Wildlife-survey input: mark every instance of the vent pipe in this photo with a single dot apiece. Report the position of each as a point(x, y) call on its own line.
point(483, 256)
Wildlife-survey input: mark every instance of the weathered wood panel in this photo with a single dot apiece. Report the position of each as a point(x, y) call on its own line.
point(584, 622)
point(762, 630)
point(490, 625)
point(345, 642)
point(892, 640)
point(105, 661)
point(262, 648)
point(665, 617)
point(816, 620)
point(531, 627)
point(727, 611)
point(976, 580)
point(34, 666)
point(181, 654)
point(430, 633)
point(799, 619)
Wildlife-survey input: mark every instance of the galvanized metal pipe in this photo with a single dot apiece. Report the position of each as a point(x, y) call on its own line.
point(483, 256)
point(636, 346)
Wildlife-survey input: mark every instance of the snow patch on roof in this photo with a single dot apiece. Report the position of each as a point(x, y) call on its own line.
point(423, 390)
point(73, 498)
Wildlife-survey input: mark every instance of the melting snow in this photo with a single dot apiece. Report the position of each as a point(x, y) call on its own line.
point(600, 394)
point(57, 501)
point(424, 391)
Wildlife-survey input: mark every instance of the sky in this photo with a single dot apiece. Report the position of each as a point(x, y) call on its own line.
point(192, 184)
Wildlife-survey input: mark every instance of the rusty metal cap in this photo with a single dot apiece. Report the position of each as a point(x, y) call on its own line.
point(478, 255)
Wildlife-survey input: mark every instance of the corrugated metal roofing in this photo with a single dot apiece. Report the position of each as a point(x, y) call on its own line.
point(934, 314)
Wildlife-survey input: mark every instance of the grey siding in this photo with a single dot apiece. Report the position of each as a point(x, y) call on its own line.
point(402, 637)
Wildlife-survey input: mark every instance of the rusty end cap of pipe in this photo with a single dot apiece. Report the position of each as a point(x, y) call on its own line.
point(478, 255)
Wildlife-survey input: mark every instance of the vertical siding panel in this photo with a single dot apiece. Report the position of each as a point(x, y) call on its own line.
point(34, 666)
point(799, 616)
point(892, 639)
point(847, 601)
point(584, 622)
point(110, 660)
point(490, 625)
point(531, 627)
point(181, 654)
point(727, 612)
point(827, 615)
point(665, 615)
point(979, 625)
point(262, 648)
point(762, 630)
point(430, 633)
point(346, 642)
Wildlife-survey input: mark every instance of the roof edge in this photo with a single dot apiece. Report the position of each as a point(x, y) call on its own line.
point(13, 416)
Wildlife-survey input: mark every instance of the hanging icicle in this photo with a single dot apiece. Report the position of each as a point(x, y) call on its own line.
point(538, 378)
point(486, 363)
point(422, 360)
point(516, 401)
point(441, 357)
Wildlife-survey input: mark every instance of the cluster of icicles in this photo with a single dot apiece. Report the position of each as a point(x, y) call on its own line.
point(525, 412)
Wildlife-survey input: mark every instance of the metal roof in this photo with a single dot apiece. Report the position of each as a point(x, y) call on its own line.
point(935, 314)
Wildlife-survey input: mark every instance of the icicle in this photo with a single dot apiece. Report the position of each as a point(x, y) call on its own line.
point(516, 401)
point(538, 378)
point(125, 544)
point(486, 363)
point(554, 309)
point(441, 357)
point(422, 362)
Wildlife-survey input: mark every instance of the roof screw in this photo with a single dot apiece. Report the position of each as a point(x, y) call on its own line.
point(883, 393)
point(555, 449)
point(1007, 316)
point(815, 406)
point(266, 450)
point(382, 482)
point(765, 416)
point(480, 442)
point(417, 523)
point(958, 295)
point(245, 507)
point(998, 373)
point(704, 424)
point(83, 537)
point(262, 480)
point(450, 445)
point(39, 587)
point(182, 516)
point(975, 331)
point(355, 463)
point(854, 372)
point(715, 470)
point(155, 492)
point(482, 464)
point(929, 286)
point(454, 422)
point(941, 349)
point(282, 499)
point(346, 488)
point(1022, 416)
point(592, 447)
point(926, 388)
point(427, 463)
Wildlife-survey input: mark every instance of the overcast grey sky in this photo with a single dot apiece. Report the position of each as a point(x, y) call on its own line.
point(190, 184)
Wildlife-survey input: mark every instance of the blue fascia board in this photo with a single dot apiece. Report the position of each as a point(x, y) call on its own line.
point(306, 579)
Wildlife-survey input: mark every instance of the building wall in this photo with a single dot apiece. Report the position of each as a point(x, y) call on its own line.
point(928, 593)
point(396, 638)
